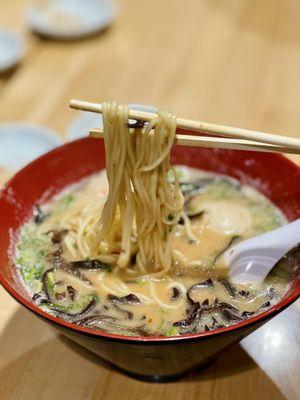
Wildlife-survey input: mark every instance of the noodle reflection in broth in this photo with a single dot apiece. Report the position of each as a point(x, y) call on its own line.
point(139, 253)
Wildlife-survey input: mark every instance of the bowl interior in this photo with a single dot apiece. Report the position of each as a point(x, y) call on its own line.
point(271, 174)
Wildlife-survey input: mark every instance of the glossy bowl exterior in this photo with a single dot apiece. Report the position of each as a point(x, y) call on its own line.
point(153, 358)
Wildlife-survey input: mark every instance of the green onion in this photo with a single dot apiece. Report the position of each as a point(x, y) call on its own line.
point(170, 217)
point(173, 331)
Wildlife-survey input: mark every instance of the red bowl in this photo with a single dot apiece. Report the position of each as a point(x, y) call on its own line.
point(156, 358)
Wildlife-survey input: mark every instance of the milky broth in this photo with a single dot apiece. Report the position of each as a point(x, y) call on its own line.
point(194, 296)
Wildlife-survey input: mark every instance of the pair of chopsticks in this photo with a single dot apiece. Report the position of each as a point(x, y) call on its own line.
point(234, 138)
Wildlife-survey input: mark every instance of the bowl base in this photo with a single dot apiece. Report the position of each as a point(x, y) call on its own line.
point(162, 378)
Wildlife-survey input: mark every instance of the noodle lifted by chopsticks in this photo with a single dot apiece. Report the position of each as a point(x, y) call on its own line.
point(142, 204)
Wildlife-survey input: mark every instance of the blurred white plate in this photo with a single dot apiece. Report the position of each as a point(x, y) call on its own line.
point(85, 121)
point(12, 49)
point(71, 19)
point(22, 143)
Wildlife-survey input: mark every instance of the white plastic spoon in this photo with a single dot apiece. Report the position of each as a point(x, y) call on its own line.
point(252, 259)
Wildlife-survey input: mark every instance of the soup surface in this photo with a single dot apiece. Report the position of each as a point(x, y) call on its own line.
point(194, 296)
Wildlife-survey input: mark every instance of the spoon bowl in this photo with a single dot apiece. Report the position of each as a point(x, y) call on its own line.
point(253, 259)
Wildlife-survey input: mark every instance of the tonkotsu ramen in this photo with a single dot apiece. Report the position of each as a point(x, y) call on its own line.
point(137, 248)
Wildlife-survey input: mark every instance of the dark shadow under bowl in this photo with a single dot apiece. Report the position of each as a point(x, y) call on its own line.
point(151, 358)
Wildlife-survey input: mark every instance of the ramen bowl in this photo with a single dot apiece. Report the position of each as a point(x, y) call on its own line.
point(150, 358)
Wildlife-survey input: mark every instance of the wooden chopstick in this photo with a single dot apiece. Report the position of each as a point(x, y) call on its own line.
point(285, 144)
point(222, 143)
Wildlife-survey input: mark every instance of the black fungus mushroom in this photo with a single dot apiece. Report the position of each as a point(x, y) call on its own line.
point(247, 314)
point(36, 297)
point(176, 294)
point(57, 235)
point(60, 296)
point(72, 293)
point(265, 305)
point(244, 293)
point(205, 302)
point(87, 308)
point(271, 293)
point(39, 299)
point(118, 301)
point(230, 316)
point(95, 319)
point(194, 315)
point(205, 284)
point(129, 299)
point(39, 216)
point(55, 258)
point(110, 324)
point(229, 287)
point(136, 125)
point(91, 265)
point(59, 262)
point(216, 324)
point(227, 306)
point(75, 272)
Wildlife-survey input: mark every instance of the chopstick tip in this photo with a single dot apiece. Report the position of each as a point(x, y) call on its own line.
point(73, 103)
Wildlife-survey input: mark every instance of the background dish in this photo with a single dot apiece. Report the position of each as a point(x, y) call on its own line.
point(71, 19)
point(22, 143)
point(12, 49)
